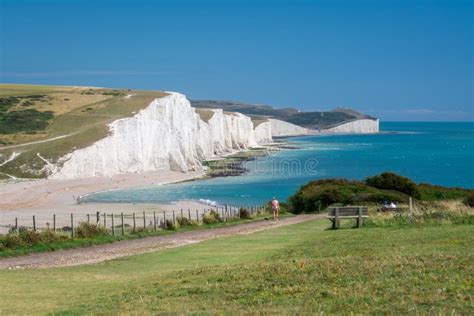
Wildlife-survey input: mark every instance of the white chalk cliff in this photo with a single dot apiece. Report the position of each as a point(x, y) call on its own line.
point(167, 135)
point(281, 128)
point(363, 126)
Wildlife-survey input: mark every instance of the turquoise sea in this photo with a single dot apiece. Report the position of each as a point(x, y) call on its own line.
point(438, 153)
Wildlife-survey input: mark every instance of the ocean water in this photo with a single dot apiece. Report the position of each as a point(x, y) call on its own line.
point(438, 153)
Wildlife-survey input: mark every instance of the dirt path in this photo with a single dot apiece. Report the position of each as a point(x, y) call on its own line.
point(37, 142)
point(100, 253)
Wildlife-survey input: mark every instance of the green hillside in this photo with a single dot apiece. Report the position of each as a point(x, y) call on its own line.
point(53, 120)
point(312, 120)
point(301, 269)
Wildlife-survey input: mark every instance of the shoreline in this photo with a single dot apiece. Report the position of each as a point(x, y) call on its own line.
point(23, 198)
point(44, 197)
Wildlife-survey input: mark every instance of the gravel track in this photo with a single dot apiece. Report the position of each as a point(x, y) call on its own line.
point(101, 253)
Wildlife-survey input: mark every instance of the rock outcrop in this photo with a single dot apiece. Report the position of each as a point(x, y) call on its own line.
point(166, 135)
point(363, 126)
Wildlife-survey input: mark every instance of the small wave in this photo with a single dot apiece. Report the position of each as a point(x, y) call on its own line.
point(208, 202)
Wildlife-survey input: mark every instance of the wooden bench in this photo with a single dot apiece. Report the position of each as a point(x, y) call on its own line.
point(342, 212)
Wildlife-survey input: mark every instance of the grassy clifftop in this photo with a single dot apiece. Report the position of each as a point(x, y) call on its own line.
point(54, 120)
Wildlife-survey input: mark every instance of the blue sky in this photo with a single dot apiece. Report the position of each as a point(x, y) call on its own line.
point(398, 60)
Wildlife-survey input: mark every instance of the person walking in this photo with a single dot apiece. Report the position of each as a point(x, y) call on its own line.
point(275, 209)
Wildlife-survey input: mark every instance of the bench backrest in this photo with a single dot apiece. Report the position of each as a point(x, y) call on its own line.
point(348, 210)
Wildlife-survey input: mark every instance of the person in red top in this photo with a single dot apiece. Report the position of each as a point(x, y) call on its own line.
point(275, 209)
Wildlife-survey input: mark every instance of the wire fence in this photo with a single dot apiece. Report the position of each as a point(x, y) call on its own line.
point(120, 223)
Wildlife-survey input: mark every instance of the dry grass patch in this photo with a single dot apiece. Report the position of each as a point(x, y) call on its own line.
point(205, 114)
point(61, 103)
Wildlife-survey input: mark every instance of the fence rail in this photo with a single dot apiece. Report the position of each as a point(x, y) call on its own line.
point(119, 223)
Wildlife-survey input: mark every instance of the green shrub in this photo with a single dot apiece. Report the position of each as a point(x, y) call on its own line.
point(211, 217)
point(392, 181)
point(244, 213)
point(24, 121)
point(185, 221)
point(170, 225)
point(12, 241)
point(431, 192)
point(29, 238)
point(87, 230)
point(317, 195)
point(469, 200)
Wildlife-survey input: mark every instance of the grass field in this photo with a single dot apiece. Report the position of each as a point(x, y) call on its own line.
point(301, 268)
point(80, 113)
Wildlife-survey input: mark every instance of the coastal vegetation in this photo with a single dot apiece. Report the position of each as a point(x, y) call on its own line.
point(317, 195)
point(297, 269)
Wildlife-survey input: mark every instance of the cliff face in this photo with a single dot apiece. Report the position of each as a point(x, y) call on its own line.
point(167, 135)
point(363, 126)
point(281, 128)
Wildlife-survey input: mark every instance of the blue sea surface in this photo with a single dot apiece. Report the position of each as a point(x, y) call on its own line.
point(437, 153)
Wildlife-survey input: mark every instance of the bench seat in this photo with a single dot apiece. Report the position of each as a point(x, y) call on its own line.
point(351, 216)
point(347, 212)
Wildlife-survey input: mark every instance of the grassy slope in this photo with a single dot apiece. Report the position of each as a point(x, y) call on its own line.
point(300, 268)
point(87, 123)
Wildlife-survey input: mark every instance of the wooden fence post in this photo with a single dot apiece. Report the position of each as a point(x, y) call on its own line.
point(197, 216)
point(16, 225)
point(164, 219)
point(105, 220)
point(97, 217)
point(54, 222)
point(88, 219)
point(336, 218)
point(113, 225)
point(123, 226)
point(72, 225)
point(359, 219)
point(189, 214)
point(144, 220)
point(174, 219)
point(154, 220)
point(34, 223)
point(411, 205)
point(134, 222)
point(181, 212)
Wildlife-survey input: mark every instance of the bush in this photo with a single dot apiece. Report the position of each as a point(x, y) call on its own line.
point(170, 225)
point(185, 221)
point(319, 194)
point(211, 217)
point(424, 219)
point(244, 213)
point(29, 120)
point(469, 200)
point(87, 230)
point(12, 241)
point(392, 181)
point(29, 238)
point(431, 192)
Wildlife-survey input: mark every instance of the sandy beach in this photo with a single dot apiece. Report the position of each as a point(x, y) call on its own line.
point(43, 198)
